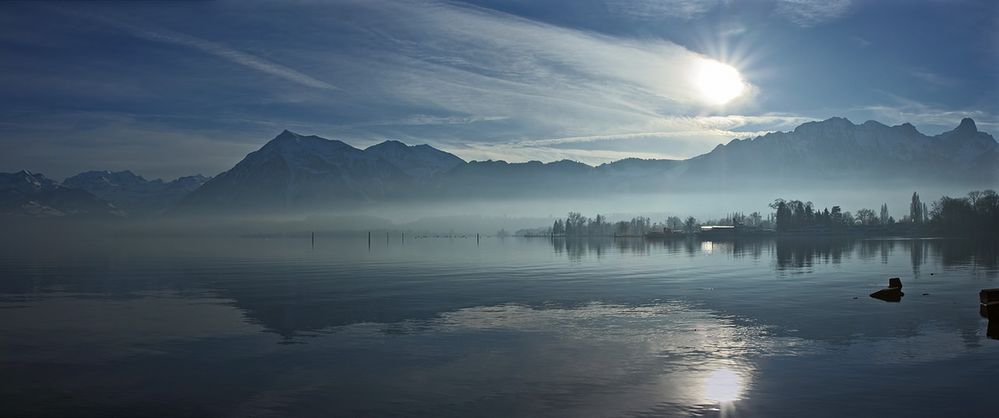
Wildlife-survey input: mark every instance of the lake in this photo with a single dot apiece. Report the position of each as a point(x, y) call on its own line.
point(500, 327)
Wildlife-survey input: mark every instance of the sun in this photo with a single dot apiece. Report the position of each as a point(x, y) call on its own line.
point(717, 82)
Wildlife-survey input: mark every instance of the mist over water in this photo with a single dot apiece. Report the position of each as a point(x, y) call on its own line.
point(485, 215)
point(495, 327)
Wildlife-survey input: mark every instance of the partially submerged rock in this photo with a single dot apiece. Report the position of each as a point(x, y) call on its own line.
point(890, 294)
point(989, 310)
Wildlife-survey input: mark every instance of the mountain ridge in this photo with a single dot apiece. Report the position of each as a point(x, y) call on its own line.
point(294, 171)
point(835, 149)
point(24, 194)
point(132, 192)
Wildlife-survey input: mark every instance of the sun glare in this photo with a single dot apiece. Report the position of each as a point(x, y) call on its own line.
point(717, 82)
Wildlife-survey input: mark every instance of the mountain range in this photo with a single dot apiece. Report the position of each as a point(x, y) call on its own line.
point(133, 193)
point(298, 172)
point(26, 194)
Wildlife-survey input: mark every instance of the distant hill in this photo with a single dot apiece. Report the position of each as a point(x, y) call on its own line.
point(29, 195)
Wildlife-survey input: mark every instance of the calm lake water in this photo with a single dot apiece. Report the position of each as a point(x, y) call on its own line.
point(506, 327)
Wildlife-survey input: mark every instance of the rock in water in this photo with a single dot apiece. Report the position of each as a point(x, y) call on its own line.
point(891, 294)
point(988, 310)
point(989, 295)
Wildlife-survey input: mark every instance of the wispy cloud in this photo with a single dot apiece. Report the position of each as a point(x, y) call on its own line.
point(714, 128)
point(155, 34)
point(657, 9)
point(675, 137)
point(544, 79)
point(429, 120)
point(861, 41)
point(64, 144)
point(807, 13)
point(731, 29)
point(932, 78)
point(515, 153)
point(534, 58)
point(470, 80)
point(482, 83)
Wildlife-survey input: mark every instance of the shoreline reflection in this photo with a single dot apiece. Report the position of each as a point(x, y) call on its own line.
point(796, 253)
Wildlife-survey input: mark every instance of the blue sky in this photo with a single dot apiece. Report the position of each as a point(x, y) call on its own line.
point(177, 88)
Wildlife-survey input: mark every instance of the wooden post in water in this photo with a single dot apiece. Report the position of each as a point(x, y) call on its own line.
point(369, 240)
point(476, 238)
point(313, 240)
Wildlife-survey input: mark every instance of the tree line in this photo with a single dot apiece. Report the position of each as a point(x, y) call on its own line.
point(975, 214)
point(577, 225)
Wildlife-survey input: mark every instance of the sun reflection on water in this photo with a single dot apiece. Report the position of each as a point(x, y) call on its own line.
point(723, 385)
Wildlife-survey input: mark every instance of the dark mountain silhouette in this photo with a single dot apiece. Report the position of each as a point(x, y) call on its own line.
point(293, 171)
